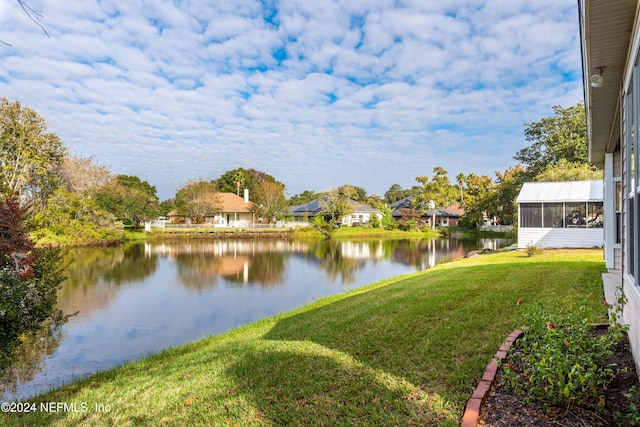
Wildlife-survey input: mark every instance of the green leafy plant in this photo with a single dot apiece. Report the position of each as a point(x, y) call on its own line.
point(562, 365)
point(29, 281)
point(632, 416)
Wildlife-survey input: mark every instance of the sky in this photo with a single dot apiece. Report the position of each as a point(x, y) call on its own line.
point(317, 93)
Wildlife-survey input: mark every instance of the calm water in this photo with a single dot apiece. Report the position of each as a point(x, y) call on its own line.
point(142, 298)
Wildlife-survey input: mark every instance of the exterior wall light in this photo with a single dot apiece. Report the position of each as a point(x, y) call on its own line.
point(596, 78)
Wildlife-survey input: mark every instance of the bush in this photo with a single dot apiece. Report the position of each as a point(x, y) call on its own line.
point(70, 220)
point(534, 250)
point(29, 281)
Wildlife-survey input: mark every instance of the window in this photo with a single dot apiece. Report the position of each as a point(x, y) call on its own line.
point(575, 215)
point(595, 215)
point(562, 215)
point(553, 215)
point(631, 170)
point(531, 215)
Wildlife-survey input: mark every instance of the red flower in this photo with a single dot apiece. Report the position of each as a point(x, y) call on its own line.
point(519, 302)
point(551, 325)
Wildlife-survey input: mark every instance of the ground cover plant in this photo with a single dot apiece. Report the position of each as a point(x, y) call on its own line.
point(407, 351)
point(565, 371)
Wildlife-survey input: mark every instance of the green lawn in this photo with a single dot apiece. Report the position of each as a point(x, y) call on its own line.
point(408, 351)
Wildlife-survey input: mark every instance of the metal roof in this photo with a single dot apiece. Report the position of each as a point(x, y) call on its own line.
point(566, 191)
point(606, 30)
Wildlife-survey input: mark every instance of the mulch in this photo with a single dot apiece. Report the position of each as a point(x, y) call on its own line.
point(504, 408)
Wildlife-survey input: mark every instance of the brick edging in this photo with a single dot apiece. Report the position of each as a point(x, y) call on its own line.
point(472, 412)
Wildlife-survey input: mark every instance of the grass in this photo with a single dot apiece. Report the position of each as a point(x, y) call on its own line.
point(406, 351)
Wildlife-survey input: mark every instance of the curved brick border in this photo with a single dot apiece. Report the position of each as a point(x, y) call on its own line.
point(471, 414)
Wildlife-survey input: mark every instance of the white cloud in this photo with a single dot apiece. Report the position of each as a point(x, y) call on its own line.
point(317, 93)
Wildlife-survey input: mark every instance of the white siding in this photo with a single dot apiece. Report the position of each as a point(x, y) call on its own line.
point(560, 237)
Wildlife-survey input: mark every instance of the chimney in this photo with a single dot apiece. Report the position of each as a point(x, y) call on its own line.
point(246, 195)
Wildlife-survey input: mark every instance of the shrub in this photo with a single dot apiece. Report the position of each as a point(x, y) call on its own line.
point(374, 221)
point(533, 250)
point(29, 281)
point(71, 220)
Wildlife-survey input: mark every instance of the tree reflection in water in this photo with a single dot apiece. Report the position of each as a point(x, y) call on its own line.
point(29, 356)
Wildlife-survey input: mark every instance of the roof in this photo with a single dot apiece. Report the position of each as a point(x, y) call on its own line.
point(228, 202)
point(566, 191)
point(606, 31)
point(407, 203)
point(233, 203)
point(314, 208)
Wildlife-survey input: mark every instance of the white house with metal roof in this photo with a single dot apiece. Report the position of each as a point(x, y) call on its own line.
point(561, 214)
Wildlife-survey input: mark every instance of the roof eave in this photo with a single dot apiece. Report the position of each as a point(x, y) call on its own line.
point(605, 34)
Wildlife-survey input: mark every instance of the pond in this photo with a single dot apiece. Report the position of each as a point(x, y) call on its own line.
point(141, 298)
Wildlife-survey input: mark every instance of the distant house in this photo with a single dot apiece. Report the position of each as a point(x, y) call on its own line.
point(361, 214)
point(234, 211)
point(561, 214)
point(443, 217)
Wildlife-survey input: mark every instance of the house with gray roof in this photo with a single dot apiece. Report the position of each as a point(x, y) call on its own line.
point(443, 217)
point(361, 213)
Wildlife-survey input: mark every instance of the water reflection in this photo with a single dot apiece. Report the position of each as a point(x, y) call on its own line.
point(140, 298)
point(30, 357)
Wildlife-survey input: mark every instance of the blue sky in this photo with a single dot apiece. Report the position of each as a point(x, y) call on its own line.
point(316, 93)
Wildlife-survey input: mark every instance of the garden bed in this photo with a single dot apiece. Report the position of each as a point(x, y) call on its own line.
point(619, 400)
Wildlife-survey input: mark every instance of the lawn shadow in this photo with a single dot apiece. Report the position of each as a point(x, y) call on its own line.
point(307, 384)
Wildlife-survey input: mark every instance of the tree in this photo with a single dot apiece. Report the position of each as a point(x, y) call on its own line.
point(236, 180)
point(565, 170)
point(461, 179)
point(439, 189)
point(131, 200)
point(29, 155)
point(304, 197)
point(29, 281)
point(411, 219)
point(396, 192)
point(166, 206)
point(356, 193)
point(479, 198)
point(374, 201)
point(81, 175)
point(508, 185)
point(336, 204)
point(563, 136)
point(269, 201)
point(30, 13)
point(388, 222)
point(198, 199)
